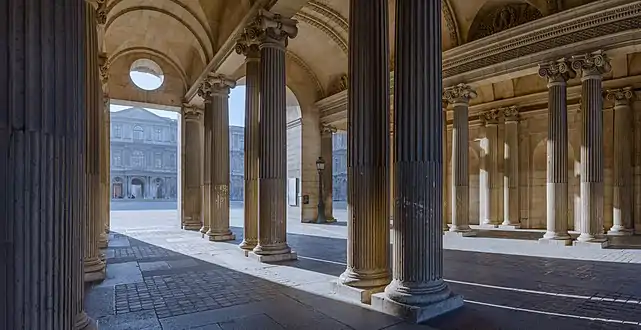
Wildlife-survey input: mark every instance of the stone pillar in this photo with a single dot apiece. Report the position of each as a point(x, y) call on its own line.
point(592, 67)
point(489, 185)
point(417, 291)
point(459, 96)
point(105, 154)
point(445, 189)
point(511, 218)
point(557, 73)
point(216, 93)
point(193, 194)
point(248, 46)
point(622, 191)
point(327, 132)
point(93, 265)
point(368, 150)
point(272, 183)
point(205, 215)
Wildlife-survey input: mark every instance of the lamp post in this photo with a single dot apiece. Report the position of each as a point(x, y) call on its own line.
point(320, 167)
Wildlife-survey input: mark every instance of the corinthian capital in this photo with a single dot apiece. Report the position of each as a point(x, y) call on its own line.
point(275, 29)
point(215, 84)
point(592, 64)
point(491, 117)
point(192, 113)
point(247, 43)
point(510, 113)
point(619, 96)
point(103, 66)
point(558, 71)
point(460, 93)
point(327, 129)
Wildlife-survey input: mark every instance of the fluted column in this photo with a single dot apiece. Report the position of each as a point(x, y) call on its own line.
point(248, 46)
point(511, 217)
point(446, 189)
point(272, 183)
point(459, 97)
point(105, 155)
point(193, 195)
point(41, 158)
point(368, 148)
point(622, 163)
point(327, 132)
point(592, 67)
point(557, 73)
point(93, 265)
point(489, 186)
point(418, 291)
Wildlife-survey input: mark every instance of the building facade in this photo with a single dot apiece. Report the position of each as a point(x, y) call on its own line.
point(339, 166)
point(236, 163)
point(143, 156)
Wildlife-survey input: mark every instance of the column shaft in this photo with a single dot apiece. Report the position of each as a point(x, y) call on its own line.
point(417, 278)
point(252, 146)
point(41, 150)
point(446, 187)
point(93, 265)
point(511, 216)
point(368, 147)
point(622, 163)
point(327, 133)
point(193, 195)
point(206, 165)
point(219, 196)
point(489, 176)
point(105, 155)
point(557, 74)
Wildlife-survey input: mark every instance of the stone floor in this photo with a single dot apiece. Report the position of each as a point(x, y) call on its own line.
point(160, 277)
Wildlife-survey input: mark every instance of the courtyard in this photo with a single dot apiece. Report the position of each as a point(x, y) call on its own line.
point(162, 277)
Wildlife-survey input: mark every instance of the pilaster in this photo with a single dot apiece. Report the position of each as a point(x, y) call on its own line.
point(592, 67)
point(417, 291)
point(215, 90)
point(247, 45)
point(105, 154)
point(557, 73)
point(459, 97)
point(193, 195)
point(622, 190)
point(368, 137)
point(511, 199)
point(489, 185)
point(327, 132)
point(272, 211)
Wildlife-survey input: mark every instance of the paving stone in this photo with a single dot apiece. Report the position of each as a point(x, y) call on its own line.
point(253, 322)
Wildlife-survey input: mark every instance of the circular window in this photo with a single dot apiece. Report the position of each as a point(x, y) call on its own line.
point(146, 74)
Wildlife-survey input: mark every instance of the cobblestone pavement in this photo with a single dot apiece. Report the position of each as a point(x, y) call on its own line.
point(160, 277)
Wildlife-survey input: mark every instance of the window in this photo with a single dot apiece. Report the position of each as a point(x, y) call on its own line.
point(138, 132)
point(117, 159)
point(172, 160)
point(157, 134)
point(117, 131)
point(138, 159)
point(158, 160)
point(173, 135)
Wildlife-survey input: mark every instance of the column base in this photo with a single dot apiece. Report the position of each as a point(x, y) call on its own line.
point(466, 233)
point(221, 237)
point(84, 322)
point(415, 313)
point(269, 258)
point(597, 243)
point(94, 270)
point(619, 231)
point(488, 225)
point(192, 226)
point(510, 226)
point(247, 245)
point(559, 241)
point(204, 229)
point(103, 241)
point(363, 295)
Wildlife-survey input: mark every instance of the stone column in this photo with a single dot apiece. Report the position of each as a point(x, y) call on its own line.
point(193, 194)
point(511, 219)
point(445, 189)
point(417, 291)
point(368, 150)
point(93, 265)
point(327, 132)
point(205, 216)
point(105, 154)
point(622, 164)
point(217, 89)
point(592, 67)
point(459, 96)
point(272, 183)
point(248, 45)
point(489, 180)
point(557, 73)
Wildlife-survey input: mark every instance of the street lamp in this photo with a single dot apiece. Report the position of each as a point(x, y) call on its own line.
point(320, 167)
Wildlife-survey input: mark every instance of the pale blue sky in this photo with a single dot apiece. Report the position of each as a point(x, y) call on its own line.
point(151, 82)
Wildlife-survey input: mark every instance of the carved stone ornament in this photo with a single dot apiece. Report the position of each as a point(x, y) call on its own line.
point(557, 71)
point(247, 43)
point(103, 65)
point(491, 116)
point(341, 84)
point(101, 12)
point(503, 18)
point(275, 30)
point(192, 113)
point(620, 96)
point(215, 85)
point(595, 63)
point(460, 93)
point(327, 129)
point(510, 113)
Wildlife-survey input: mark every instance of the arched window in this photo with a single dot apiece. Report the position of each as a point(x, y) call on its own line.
point(138, 159)
point(138, 132)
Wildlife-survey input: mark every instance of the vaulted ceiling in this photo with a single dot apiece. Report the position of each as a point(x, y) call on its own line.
point(187, 34)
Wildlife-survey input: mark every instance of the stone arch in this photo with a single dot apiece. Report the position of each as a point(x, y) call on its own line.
point(137, 187)
point(497, 16)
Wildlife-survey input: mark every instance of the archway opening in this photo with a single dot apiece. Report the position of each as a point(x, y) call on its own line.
point(146, 74)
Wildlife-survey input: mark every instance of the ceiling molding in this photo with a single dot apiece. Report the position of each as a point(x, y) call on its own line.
point(331, 33)
point(330, 13)
point(299, 61)
point(450, 22)
point(205, 52)
point(150, 51)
